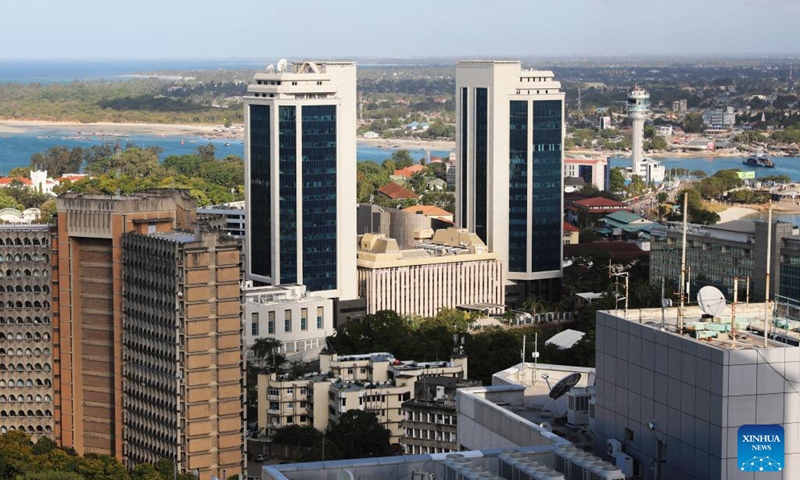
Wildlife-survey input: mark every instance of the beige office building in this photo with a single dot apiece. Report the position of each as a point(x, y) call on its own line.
point(184, 370)
point(450, 268)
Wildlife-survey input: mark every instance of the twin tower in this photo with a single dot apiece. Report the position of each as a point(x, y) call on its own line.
point(300, 171)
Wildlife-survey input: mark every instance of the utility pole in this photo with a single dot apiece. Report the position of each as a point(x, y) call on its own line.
point(683, 262)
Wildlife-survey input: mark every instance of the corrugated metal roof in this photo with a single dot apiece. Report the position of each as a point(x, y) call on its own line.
point(565, 339)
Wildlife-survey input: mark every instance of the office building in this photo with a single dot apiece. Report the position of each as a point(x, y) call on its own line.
point(87, 308)
point(715, 254)
point(184, 391)
point(509, 186)
point(26, 346)
point(679, 106)
point(300, 174)
point(301, 321)
point(720, 119)
point(593, 171)
point(450, 268)
point(430, 420)
point(673, 399)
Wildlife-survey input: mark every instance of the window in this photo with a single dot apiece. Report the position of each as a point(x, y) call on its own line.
point(272, 391)
point(320, 313)
point(271, 323)
point(304, 319)
point(287, 321)
point(254, 324)
point(151, 228)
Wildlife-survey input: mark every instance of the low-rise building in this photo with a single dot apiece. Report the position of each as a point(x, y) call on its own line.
point(720, 118)
point(451, 268)
point(594, 171)
point(300, 320)
point(571, 234)
point(430, 419)
point(375, 382)
point(233, 214)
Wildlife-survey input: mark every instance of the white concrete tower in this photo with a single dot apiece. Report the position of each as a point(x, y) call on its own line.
point(300, 177)
point(638, 111)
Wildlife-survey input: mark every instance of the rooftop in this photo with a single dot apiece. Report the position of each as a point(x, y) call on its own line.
point(600, 202)
point(395, 191)
point(724, 332)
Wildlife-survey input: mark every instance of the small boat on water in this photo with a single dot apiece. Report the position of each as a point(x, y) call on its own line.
point(759, 161)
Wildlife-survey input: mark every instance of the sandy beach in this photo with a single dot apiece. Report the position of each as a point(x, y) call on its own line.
point(23, 126)
point(407, 143)
point(735, 213)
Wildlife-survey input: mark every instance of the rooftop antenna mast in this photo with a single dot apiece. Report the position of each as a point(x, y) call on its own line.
point(683, 263)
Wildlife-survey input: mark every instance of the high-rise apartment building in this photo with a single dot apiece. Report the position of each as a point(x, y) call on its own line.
point(300, 172)
point(509, 144)
point(26, 346)
point(184, 370)
point(87, 308)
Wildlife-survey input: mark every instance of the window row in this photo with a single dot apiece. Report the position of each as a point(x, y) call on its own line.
point(36, 352)
point(25, 257)
point(18, 242)
point(25, 398)
point(28, 367)
point(23, 273)
point(288, 325)
point(27, 336)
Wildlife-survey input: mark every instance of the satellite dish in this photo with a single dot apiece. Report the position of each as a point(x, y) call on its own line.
point(546, 426)
point(711, 301)
point(345, 475)
point(563, 385)
point(282, 64)
point(270, 68)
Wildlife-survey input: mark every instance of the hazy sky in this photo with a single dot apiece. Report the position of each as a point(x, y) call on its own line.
point(357, 28)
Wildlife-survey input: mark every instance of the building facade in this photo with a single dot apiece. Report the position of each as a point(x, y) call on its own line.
point(675, 403)
point(288, 313)
point(715, 254)
point(184, 370)
point(26, 342)
point(233, 213)
point(509, 146)
point(430, 419)
point(449, 269)
point(593, 171)
point(87, 308)
point(300, 173)
point(375, 382)
point(720, 118)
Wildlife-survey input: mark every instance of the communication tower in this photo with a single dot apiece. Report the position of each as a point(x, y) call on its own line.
point(638, 111)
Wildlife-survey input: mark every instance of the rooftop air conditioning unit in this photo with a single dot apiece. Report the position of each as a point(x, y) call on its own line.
point(578, 406)
point(613, 447)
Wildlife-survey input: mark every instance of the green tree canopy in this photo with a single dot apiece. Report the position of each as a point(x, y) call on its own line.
point(359, 435)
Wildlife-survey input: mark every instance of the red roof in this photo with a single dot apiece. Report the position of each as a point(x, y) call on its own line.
point(72, 178)
point(568, 227)
point(395, 191)
point(409, 170)
point(4, 181)
point(599, 202)
point(428, 211)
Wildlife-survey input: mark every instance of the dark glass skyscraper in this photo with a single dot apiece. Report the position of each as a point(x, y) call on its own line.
point(510, 167)
point(300, 175)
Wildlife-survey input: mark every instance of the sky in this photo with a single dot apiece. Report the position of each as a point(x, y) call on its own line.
point(133, 29)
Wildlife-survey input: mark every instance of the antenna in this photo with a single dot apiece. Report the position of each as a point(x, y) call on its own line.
point(711, 301)
point(282, 65)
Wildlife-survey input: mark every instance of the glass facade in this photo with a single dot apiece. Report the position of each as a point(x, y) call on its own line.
point(319, 197)
point(518, 188)
point(547, 171)
point(260, 185)
point(287, 164)
point(585, 172)
point(481, 166)
point(464, 157)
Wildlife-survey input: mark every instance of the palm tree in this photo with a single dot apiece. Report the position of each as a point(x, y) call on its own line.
point(268, 351)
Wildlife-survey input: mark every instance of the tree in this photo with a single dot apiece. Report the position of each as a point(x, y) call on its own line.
point(359, 435)
point(146, 471)
point(402, 159)
point(268, 351)
point(693, 123)
point(616, 180)
point(24, 172)
point(207, 152)
point(58, 160)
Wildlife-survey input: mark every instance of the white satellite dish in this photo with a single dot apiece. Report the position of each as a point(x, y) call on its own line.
point(345, 475)
point(546, 426)
point(282, 64)
point(270, 68)
point(711, 301)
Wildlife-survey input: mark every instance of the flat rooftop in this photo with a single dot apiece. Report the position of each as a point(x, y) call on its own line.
point(725, 332)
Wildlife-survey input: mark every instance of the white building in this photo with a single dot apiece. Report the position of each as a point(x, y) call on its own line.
point(288, 313)
point(449, 269)
point(510, 124)
point(300, 177)
point(591, 170)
